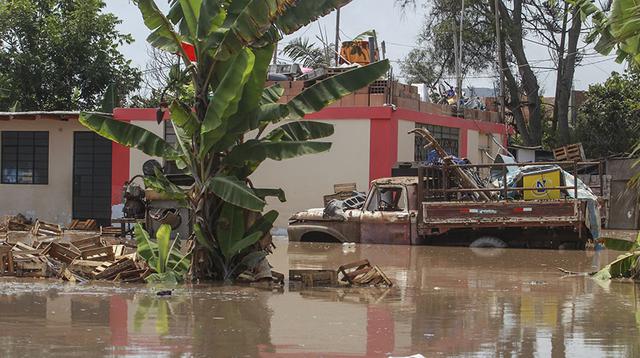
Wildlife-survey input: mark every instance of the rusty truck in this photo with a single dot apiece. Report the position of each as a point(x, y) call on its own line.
point(431, 209)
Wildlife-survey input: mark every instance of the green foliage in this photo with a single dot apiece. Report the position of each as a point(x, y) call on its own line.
point(231, 40)
point(626, 265)
point(61, 55)
point(162, 255)
point(609, 119)
point(617, 29)
point(434, 56)
point(300, 50)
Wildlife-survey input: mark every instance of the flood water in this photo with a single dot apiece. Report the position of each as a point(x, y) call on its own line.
point(449, 302)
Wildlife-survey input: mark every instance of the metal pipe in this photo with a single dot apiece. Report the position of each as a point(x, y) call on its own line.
point(336, 45)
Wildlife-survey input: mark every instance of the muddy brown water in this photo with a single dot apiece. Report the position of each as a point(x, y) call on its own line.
point(449, 302)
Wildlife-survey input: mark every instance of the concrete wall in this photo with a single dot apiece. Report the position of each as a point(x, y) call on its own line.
point(406, 143)
point(138, 157)
point(307, 179)
point(52, 202)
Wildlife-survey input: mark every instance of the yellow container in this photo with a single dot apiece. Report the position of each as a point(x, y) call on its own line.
point(542, 181)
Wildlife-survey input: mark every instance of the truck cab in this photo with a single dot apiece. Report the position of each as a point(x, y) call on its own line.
point(388, 216)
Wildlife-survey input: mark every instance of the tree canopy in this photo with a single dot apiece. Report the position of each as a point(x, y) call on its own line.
point(609, 119)
point(61, 55)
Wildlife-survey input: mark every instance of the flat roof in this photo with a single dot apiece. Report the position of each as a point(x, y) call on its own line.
point(35, 115)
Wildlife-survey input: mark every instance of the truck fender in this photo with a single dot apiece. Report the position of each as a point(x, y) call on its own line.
point(298, 231)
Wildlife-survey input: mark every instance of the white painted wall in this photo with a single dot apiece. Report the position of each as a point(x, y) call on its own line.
point(406, 142)
point(307, 179)
point(51, 202)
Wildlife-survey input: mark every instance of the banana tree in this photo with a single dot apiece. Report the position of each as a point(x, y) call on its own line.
point(236, 123)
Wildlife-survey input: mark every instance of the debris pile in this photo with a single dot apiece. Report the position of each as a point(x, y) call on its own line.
point(45, 250)
point(360, 273)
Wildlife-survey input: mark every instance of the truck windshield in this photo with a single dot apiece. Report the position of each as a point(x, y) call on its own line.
point(387, 199)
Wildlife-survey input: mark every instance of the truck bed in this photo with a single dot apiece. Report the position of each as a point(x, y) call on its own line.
point(553, 213)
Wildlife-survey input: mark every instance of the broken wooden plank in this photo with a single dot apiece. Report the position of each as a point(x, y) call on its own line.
point(112, 270)
point(6, 260)
point(98, 254)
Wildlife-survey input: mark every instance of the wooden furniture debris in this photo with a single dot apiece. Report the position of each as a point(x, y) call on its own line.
point(111, 270)
point(363, 274)
point(346, 187)
point(570, 153)
point(110, 231)
point(6, 260)
point(61, 253)
point(466, 181)
point(83, 225)
point(88, 243)
point(42, 228)
point(314, 278)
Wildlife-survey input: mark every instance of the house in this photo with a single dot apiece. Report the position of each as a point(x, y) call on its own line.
point(53, 168)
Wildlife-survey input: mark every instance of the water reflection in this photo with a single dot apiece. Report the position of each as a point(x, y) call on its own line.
point(446, 301)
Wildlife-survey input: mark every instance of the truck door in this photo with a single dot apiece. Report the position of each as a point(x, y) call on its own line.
point(385, 218)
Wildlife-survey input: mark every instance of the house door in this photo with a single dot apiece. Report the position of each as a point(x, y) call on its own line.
point(91, 177)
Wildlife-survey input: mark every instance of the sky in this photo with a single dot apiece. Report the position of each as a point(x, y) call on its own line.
point(396, 27)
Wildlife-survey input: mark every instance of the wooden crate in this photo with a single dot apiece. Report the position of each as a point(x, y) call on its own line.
point(61, 253)
point(346, 187)
point(85, 225)
point(42, 228)
point(314, 278)
point(572, 153)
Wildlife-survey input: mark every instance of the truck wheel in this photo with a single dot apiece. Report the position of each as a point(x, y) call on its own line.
point(488, 242)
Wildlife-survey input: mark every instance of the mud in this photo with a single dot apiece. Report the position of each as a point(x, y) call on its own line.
point(445, 302)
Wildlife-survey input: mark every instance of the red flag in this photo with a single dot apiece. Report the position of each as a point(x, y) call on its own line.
point(190, 50)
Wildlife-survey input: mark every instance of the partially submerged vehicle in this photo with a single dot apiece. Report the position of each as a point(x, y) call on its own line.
point(434, 208)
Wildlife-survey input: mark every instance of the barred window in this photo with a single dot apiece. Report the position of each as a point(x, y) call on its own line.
point(447, 137)
point(25, 157)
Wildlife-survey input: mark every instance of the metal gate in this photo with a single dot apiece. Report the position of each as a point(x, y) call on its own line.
point(91, 177)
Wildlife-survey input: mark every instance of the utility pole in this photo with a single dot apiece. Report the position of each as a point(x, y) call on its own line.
point(337, 43)
point(501, 95)
point(459, 63)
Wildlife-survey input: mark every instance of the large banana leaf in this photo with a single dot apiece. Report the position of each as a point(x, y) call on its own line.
point(161, 184)
point(276, 193)
point(226, 97)
point(244, 243)
point(259, 150)
point(332, 89)
point(184, 118)
point(623, 267)
point(255, 84)
point(620, 244)
point(305, 12)
point(264, 224)
point(247, 21)
point(162, 34)
point(128, 135)
point(190, 15)
point(212, 15)
point(235, 192)
point(230, 229)
point(146, 248)
point(163, 236)
point(272, 94)
point(301, 131)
